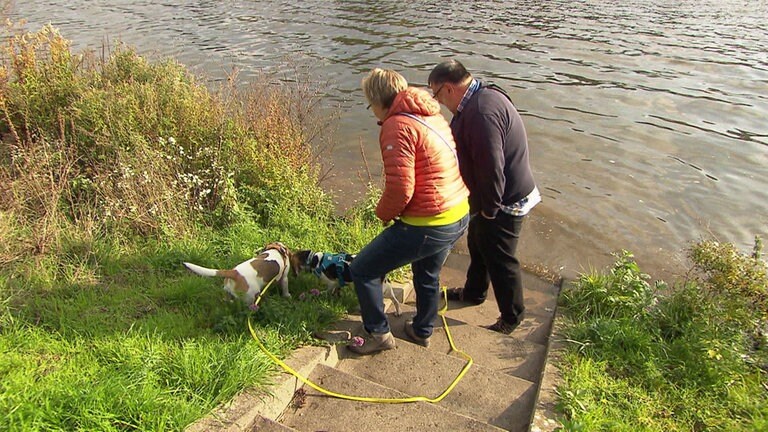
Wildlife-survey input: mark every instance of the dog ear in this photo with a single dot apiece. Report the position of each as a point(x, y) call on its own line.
point(299, 260)
point(293, 259)
point(281, 248)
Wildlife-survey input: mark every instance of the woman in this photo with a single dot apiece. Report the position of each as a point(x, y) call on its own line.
point(425, 197)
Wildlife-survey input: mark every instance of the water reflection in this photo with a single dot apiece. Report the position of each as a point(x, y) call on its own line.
point(646, 118)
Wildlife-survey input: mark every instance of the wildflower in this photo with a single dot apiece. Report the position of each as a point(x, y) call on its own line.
point(254, 307)
point(301, 296)
point(714, 354)
point(315, 292)
point(357, 341)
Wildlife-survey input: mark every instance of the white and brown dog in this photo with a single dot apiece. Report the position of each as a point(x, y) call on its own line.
point(248, 278)
point(332, 270)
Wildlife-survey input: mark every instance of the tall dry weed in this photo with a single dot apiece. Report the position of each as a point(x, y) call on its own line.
point(34, 181)
point(109, 128)
point(124, 144)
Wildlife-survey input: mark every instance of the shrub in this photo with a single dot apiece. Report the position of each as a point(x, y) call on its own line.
point(623, 292)
point(685, 357)
point(736, 283)
point(145, 148)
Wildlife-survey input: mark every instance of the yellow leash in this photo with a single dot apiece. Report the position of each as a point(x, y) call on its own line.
point(306, 381)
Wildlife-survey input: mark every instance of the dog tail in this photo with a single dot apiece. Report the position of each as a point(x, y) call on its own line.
point(202, 271)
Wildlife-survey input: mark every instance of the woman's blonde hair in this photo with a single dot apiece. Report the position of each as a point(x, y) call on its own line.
point(382, 85)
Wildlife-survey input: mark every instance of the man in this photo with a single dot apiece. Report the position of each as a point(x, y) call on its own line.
point(492, 148)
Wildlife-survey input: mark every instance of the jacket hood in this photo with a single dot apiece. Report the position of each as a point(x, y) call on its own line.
point(414, 101)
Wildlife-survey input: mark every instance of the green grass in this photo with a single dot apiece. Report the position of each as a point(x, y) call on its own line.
point(146, 345)
point(115, 170)
point(691, 357)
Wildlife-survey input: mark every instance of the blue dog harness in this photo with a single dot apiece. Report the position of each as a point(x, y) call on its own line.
point(329, 260)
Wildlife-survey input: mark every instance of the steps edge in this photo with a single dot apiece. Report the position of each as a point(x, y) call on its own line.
point(242, 412)
point(544, 416)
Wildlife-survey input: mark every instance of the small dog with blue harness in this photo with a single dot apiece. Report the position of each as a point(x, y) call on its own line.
point(333, 270)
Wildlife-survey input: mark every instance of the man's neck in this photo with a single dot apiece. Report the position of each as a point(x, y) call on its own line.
point(461, 90)
point(462, 87)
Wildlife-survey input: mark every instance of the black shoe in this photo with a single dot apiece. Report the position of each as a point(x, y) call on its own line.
point(423, 341)
point(503, 327)
point(457, 294)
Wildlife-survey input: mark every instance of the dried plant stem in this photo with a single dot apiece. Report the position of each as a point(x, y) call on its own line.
point(365, 162)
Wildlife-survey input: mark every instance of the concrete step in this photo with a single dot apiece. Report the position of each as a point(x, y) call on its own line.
point(266, 425)
point(494, 351)
point(251, 406)
point(482, 394)
point(511, 355)
point(540, 302)
point(401, 291)
point(322, 413)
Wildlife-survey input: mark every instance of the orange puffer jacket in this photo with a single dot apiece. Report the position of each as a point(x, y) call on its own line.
point(422, 172)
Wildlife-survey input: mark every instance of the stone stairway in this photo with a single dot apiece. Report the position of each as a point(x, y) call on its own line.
point(499, 392)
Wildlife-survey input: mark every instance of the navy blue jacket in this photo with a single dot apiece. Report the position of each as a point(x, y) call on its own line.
point(493, 151)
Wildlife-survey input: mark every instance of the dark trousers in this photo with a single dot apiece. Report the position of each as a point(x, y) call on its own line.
point(492, 245)
point(426, 248)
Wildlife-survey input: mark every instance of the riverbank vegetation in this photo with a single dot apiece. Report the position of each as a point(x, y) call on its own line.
point(113, 170)
point(688, 357)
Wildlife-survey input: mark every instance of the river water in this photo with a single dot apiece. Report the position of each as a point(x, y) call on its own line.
point(647, 120)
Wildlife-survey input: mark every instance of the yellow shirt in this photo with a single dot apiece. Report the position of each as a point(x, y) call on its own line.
point(447, 217)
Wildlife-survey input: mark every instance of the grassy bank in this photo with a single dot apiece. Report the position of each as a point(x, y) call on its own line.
point(113, 170)
point(688, 357)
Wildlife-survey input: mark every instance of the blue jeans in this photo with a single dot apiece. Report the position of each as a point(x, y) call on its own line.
point(426, 249)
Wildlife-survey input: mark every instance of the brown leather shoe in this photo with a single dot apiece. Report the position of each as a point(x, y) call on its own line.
point(371, 343)
point(423, 341)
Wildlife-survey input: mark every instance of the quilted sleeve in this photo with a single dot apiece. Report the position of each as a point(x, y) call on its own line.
point(398, 143)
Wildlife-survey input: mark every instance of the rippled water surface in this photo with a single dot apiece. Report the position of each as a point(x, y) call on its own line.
point(647, 120)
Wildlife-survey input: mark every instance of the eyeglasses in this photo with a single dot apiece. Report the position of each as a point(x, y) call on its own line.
point(368, 107)
point(434, 95)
